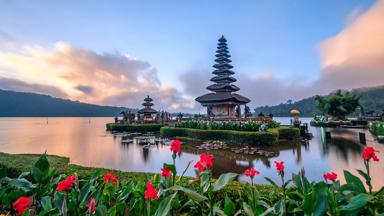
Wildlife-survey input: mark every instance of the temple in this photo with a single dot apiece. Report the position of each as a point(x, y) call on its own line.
point(147, 111)
point(223, 102)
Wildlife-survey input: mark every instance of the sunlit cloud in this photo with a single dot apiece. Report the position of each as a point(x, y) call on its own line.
point(107, 78)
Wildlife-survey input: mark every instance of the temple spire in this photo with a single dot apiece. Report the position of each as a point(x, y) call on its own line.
point(222, 101)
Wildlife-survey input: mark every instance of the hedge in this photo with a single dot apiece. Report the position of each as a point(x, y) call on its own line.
point(242, 137)
point(287, 133)
point(134, 127)
point(377, 128)
point(333, 124)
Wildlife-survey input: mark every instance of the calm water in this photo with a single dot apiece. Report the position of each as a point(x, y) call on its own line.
point(85, 142)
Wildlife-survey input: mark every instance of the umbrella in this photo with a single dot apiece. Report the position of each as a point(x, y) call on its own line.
point(295, 112)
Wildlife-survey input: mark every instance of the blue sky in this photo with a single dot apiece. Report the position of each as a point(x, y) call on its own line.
point(175, 37)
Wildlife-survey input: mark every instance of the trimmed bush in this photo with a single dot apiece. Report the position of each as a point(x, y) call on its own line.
point(377, 128)
point(134, 127)
point(333, 124)
point(288, 133)
point(241, 137)
point(173, 132)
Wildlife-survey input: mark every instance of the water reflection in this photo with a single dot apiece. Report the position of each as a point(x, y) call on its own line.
point(87, 143)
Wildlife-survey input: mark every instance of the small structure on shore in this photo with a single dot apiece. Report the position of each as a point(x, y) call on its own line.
point(146, 114)
point(223, 103)
point(296, 117)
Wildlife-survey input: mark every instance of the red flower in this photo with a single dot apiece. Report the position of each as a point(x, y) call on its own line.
point(279, 166)
point(92, 206)
point(251, 172)
point(368, 153)
point(65, 185)
point(199, 166)
point(110, 178)
point(205, 162)
point(21, 204)
point(331, 176)
point(166, 172)
point(176, 146)
point(151, 192)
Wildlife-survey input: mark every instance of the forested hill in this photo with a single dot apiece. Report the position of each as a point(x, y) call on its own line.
point(372, 99)
point(20, 104)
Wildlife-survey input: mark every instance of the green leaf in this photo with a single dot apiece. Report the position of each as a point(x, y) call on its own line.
point(101, 210)
point(229, 206)
point(125, 193)
point(247, 209)
point(321, 194)
point(357, 202)
point(21, 184)
point(84, 192)
point(41, 168)
point(271, 182)
point(165, 205)
point(354, 183)
point(190, 193)
point(60, 202)
point(223, 180)
point(46, 203)
point(365, 176)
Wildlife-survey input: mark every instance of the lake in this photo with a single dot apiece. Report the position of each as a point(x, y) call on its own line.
point(86, 142)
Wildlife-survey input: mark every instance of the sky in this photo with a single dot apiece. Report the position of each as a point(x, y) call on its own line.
point(117, 52)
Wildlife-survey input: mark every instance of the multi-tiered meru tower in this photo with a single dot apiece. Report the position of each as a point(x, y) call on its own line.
point(147, 111)
point(223, 103)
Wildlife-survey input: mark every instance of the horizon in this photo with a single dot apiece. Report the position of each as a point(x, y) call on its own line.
point(116, 53)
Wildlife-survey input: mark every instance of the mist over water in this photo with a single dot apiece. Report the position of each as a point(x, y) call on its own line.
point(86, 142)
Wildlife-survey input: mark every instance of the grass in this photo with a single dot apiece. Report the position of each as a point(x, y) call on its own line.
point(25, 162)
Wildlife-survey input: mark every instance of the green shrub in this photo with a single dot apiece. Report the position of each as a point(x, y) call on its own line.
point(359, 122)
point(134, 127)
point(228, 125)
point(333, 124)
point(173, 132)
point(241, 137)
point(377, 128)
point(288, 133)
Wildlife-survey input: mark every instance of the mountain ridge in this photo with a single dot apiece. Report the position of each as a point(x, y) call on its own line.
point(27, 104)
point(371, 98)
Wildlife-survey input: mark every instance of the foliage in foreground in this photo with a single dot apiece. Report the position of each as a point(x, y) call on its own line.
point(52, 193)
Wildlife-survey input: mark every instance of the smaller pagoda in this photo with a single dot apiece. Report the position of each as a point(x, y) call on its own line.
point(147, 111)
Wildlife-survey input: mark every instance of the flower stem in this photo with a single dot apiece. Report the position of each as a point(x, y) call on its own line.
point(148, 207)
point(284, 196)
point(253, 196)
point(334, 197)
point(366, 163)
point(174, 175)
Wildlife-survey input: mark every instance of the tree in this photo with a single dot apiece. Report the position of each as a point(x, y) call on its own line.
point(247, 111)
point(338, 105)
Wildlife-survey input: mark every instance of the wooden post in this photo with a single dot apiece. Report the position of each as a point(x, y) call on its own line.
point(362, 138)
point(328, 135)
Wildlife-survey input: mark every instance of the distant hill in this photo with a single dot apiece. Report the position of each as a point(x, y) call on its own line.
point(21, 104)
point(372, 99)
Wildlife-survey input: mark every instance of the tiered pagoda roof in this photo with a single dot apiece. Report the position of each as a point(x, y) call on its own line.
point(223, 88)
point(147, 106)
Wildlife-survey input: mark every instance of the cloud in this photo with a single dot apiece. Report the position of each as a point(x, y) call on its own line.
point(80, 74)
point(355, 56)
point(85, 89)
point(351, 59)
point(16, 85)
